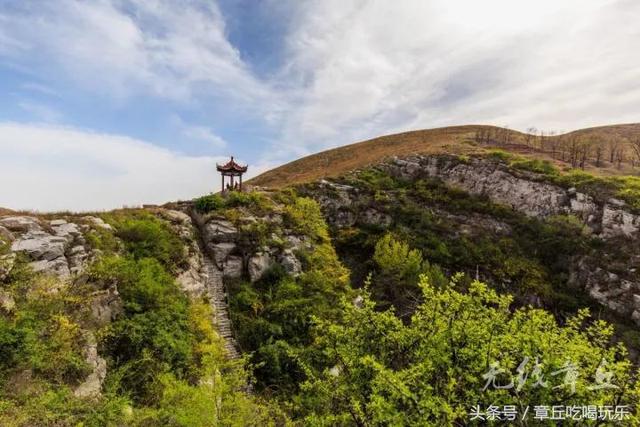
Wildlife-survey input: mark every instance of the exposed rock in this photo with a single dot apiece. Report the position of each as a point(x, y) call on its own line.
point(6, 235)
point(290, 263)
point(21, 223)
point(374, 217)
point(7, 303)
point(97, 222)
point(57, 222)
point(358, 302)
point(92, 386)
point(258, 265)
point(616, 221)
point(296, 242)
point(66, 230)
point(221, 251)
point(233, 267)
point(176, 216)
point(106, 306)
point(58, 267)
point(219, 230)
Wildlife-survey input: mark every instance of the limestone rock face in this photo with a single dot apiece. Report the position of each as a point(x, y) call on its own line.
point(258, 265)
point(92, 386)
point(97, 222)
point(233, 267)
point(56, 248)
point(525, 192)
point(106, 306)
point(221, 252)
point(290, 263)
point(219, 230)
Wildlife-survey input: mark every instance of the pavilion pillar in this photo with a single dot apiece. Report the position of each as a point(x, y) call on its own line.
point(240, 182)
point(222, 188)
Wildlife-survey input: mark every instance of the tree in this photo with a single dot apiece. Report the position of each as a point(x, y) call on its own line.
point(432, 370)
point(398, 270)
point(635, 147)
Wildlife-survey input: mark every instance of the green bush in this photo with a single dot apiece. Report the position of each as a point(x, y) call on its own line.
point(431, 370)
point(146, 236)
point(209, 203)
point(544, 167)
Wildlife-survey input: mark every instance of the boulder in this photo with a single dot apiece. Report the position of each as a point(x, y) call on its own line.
point(221, 252)
point(97, 222)
point(219, 230)
point(40, 247)
point(258, 265)
point(6, 235)
point(21, 223)
point(66, 230)
point(233, 267)
point(176, 216)
point(290, 263)
point(106, 306)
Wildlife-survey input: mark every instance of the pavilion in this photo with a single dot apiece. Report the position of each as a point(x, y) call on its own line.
point(231, 170)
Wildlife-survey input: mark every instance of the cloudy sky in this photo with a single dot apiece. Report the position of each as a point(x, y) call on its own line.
point(105, 103)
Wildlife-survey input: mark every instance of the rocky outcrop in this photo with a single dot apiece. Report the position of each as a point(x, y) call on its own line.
point(616, 287)
point(54, 247)
point(92, 385)
point(526, 192)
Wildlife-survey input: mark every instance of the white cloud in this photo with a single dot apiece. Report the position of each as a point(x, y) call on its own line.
point(124, 47)
point(48, 167)
point(367, 68)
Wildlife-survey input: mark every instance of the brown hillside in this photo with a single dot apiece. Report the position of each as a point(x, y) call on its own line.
point(467, 139)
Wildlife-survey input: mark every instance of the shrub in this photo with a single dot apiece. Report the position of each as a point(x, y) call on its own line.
point(544, 167)
point(146, 236)
point(305, 217)
point(433, 369)
point(209, 203)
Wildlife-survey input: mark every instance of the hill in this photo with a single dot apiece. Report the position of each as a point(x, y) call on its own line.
point(605, 150)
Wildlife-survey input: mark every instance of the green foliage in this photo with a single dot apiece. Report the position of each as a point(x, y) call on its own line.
point(544, 167)
point(430, 371)
point(305, 217)
point(500, 155)
point(209, 203)
point(272, 316)
point(377, 179)
point(399, 268)
point(146, 236)
point(103, 240)
point(255, 201)
point(154, 335)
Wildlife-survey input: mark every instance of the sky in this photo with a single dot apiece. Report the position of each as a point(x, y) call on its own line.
point(111, 103)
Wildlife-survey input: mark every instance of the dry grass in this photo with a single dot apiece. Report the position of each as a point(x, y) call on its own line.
point(449, 140)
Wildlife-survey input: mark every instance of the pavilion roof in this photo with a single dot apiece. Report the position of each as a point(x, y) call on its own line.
point(231, 166)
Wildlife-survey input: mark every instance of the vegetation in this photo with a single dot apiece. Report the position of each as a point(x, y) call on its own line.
point(166, 364)
point(253, 201)
point(272, 316)
point(432, 370)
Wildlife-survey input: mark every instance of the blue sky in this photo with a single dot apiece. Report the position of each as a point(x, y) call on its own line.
point(108, 103)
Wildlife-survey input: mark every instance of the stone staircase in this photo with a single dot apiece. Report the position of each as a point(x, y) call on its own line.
point(218, 300)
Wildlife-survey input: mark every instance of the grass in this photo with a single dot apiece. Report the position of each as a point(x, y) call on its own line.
point(450, 140)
